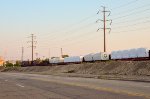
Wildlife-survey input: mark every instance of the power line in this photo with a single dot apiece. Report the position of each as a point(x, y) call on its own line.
point(72, 41)
point(126, 21)
point(143, 6)
point(75, 41)
point(70, 26)
point(79, 29)
point(135, 24)
point(132, 14)
point(73, 31)
point(124, 5)
point(79, 42)
point(136, 29)
point(83, 42)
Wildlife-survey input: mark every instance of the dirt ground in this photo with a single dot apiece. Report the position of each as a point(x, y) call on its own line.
point(111, 69)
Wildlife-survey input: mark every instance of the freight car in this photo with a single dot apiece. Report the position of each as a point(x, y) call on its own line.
point(73, 59)
point(56, 61)
point(131, 54)
point(101, 57)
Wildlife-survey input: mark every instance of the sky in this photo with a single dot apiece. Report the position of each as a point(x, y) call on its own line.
point(71, 25)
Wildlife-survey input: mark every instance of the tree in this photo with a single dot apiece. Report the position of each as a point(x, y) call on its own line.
point(64, 56)
point(18, 64)
point(8, 64)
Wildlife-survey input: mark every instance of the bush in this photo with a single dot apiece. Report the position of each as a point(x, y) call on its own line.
point(9, 64)
point(18, 64)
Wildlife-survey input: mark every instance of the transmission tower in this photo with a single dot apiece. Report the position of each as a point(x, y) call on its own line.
point(104, 20)
point(33, 42)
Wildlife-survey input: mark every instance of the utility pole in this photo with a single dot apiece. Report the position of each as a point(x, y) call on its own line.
point(32, 45)
point(61, 52)
point(36, 55)
point(22, 54)
point(49, 53)
point(5, 54)
point(104, 24)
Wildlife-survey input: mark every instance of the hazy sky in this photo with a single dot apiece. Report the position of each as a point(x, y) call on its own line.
point(71, 25)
